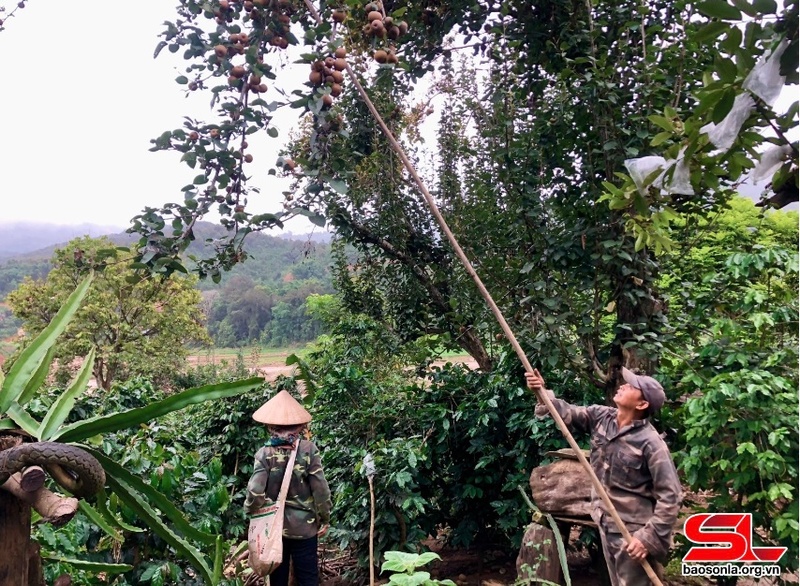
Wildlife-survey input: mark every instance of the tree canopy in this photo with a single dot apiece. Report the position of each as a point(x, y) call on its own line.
point(139, 325)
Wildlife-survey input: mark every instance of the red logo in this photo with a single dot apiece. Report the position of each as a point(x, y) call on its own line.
point(731, 537)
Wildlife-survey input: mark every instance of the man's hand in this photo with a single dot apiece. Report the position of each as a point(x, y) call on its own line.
point(534, 380)
point(323, 529)
point(636, 550)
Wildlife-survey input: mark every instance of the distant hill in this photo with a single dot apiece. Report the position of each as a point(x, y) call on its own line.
point(24, 237)
point(273, 259)
point(39, 240)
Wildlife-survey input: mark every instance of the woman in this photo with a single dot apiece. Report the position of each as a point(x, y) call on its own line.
point(308, 502)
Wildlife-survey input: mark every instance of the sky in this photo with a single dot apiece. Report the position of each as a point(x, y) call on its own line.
point(81, 96)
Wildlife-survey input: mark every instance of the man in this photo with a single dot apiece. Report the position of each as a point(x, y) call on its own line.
point(634, 466)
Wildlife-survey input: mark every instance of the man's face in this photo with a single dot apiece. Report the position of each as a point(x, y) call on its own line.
point(629, 397)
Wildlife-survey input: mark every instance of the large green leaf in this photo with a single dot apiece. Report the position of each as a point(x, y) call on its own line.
point(101, 498)
point(38, 378)
point(219, 558)
point(719, 9)
point(60, 409)
point(100, 520)
point(26, 366)
point(95, 567)
point(23, 420)
point(126, 419)
point(121, 474)
point(134, 500)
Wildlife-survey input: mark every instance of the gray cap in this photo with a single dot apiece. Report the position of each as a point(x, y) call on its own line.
point(652, 391)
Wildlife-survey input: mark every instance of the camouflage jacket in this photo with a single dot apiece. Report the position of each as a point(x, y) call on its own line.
point(634, 466)
point(308, 502)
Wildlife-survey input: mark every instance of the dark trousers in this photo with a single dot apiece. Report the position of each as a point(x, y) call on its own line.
point(303, 554)
point(622, 568)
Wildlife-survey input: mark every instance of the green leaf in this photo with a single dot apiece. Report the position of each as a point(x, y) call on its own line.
point(145, 512)
point(59, 411)
point(719, 9)
point(723, 107)
point(317, 220)
point(338, 186)
point(427, 557)
point(38, 378)
point(126, 419)
point(21, 417)
point(135, 487)
point(94, 567)
point(101, 499)
point(562, 552)
point(745, 6)
point(765, 6)
point(711, 31)
point(182, 79)
point(272, 132)
point(100, 520)
point(662, 122)
point(219, 559)
point(727, 71)
point(660, 138)
point(29, 361)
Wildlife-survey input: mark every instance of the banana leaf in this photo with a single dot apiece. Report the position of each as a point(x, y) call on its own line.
point(29, 361)
point(87, 428)
point(59, 411)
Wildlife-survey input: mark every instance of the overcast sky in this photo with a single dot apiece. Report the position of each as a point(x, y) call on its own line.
point(80, 98)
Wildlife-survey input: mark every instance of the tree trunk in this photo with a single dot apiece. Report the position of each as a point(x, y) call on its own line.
point(470, 342)
point(15, 541)
point(538, 556)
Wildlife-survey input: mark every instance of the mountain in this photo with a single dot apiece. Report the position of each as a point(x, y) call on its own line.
point(272, 260)
point(18, 238)
point(36, 240)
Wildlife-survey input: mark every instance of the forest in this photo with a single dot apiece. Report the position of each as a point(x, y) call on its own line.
point(261, 300)
point(585, 157)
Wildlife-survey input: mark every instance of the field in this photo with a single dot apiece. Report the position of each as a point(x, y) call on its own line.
point(271, 362)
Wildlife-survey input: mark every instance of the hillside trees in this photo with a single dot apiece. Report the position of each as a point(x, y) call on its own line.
point(138, 325)
point(244, 312)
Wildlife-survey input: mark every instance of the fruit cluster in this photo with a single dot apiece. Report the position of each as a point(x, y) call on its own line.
point(270, 21)
point(272, 18)
point(328, 72)
point(382, 28)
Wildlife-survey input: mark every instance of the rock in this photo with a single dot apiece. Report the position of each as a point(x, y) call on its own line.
point(562, 489)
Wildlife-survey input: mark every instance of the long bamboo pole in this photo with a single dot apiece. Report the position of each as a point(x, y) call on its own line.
point(541, 396)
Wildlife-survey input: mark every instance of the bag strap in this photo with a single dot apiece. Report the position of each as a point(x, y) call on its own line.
point(287, 476)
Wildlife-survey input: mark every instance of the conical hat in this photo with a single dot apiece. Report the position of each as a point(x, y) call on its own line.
point(282, 409)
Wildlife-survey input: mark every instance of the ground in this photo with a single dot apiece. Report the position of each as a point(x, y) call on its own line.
point(496, 568)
